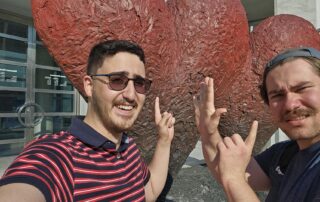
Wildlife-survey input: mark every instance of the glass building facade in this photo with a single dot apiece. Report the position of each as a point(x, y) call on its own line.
point(35, 96)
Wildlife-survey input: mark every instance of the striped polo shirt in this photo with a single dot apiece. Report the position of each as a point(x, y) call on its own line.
point(81, 165)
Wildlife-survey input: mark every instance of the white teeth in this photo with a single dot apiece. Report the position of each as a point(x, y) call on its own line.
point(125, 107)
point(298, 118)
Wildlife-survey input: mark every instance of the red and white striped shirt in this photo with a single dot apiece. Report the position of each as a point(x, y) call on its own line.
point(81, 165)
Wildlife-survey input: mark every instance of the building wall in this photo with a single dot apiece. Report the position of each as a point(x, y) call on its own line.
point(35, 96)
point(308, 9)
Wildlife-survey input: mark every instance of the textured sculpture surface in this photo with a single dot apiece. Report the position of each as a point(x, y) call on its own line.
point(184, 41)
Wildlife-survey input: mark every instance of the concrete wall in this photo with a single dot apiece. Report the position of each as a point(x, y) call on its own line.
point(308, 9)
point(317, 23)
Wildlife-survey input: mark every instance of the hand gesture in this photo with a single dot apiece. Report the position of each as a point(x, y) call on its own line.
point(165, 123)
point(207, 117)
point(234, 155)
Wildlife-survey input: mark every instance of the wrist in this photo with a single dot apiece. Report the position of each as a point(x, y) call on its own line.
point(211, 140)
point(230, 181)
point(164, 142)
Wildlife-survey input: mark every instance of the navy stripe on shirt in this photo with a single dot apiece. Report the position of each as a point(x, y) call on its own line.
point(76, 167)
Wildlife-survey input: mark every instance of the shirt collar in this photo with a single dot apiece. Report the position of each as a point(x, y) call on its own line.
point(90, 136)
point(311, 149)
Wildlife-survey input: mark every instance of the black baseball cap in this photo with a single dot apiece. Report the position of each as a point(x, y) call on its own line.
point(297, 52)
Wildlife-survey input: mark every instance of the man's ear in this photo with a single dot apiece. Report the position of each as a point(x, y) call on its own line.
point(87, 85)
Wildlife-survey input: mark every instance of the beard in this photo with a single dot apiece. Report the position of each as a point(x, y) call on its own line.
point(118, 126)
point(113, 123)
point(309, 130)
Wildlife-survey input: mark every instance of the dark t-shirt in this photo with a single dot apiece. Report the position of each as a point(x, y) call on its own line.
point(294, 173)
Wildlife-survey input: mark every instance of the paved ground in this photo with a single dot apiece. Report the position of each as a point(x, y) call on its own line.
point(193, 183)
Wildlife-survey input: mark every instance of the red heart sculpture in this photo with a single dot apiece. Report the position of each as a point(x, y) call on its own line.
point(184, 41)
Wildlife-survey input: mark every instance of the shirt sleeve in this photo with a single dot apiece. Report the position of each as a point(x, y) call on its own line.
point(47, 165)
point(145, 172)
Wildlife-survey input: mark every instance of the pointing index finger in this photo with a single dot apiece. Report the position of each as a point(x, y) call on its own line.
point(157, 112)
point(210, 92)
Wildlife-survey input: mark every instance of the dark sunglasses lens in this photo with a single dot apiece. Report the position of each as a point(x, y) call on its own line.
point(118, 82)
point(140, 85)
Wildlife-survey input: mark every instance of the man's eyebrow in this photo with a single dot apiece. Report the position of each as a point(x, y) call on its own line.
point(298, 85)
point(303, 83)
point(121, 73)
point(138, 76)
point(273, 92)
point(127, 74)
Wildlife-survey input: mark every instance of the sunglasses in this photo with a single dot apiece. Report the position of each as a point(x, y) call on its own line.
point(119, 82)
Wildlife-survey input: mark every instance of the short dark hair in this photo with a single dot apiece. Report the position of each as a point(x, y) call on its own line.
point(109, 48)
point(311, 55)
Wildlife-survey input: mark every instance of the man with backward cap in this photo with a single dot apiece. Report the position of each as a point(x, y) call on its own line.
point(289, 170)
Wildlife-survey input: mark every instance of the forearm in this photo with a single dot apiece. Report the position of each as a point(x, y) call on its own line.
point(209, 150)
point(159, 167)
point(239, 191)
point(25, 192)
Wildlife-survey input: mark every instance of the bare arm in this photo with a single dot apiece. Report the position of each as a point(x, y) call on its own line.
point(160, 162)
point(255, 180)
point(234, 156)
point(207, 120)
point(20, 192)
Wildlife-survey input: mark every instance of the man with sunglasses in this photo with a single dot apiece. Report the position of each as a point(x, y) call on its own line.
point(289, 170)
point(95, 160)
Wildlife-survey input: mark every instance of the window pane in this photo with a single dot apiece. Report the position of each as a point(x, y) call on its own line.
point(11, 149)
point(11, 101)
point(43, 57)
point(50, 79)
point(12, 76)
point(55, 102)
point(13, 28)
point(11, 49)
point(10, 128)
point(54, 124)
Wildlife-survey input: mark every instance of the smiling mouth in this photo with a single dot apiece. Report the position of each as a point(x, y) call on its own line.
point(298, 115)
point(125, 107)
point(296, 121)
point(297, 118)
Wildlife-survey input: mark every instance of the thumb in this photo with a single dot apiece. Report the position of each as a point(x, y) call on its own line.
point(251, 138)
point(217, 115)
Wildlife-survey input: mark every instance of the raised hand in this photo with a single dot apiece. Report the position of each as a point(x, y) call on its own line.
point(207, 121)
point(159, 164)
point(207, 117)
point(165, 123)
point(234, 155)
point(227, 158)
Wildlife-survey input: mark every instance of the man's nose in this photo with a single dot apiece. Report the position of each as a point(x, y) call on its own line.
point(129, 92)
point(292, 101)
